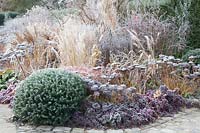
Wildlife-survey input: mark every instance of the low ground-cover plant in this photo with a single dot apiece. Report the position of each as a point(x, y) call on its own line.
point(7, 95)
point(5, 76)
point(143, 109)
point(48, 96)
point(8, 83)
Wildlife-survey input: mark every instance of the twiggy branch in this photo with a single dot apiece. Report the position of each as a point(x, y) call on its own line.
point(24, 74)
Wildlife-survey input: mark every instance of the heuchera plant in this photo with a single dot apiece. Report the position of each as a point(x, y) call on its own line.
point(142, 110)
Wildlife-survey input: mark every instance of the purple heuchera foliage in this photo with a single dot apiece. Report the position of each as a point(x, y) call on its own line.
point(144, 109)
point(6, 96)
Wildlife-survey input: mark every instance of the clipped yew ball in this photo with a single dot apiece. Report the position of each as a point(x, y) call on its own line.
point(48, 97)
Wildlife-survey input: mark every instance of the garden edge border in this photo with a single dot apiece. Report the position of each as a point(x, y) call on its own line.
point(59, 129)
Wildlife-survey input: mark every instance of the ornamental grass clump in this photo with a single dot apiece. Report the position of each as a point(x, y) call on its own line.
point(48, 97)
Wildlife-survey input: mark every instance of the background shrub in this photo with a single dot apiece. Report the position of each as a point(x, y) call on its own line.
point(177, 12)
point(2, 18)
point(5, 15)
point(48, 96)
point(195, 52)
point(22, 5)
point(144, 4)
point(12, 14)
point(194, 37)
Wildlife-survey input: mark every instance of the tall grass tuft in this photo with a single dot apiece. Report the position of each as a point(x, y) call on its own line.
point(38, 49)
point(77, 43)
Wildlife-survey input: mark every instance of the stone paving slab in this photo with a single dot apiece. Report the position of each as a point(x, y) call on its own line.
point(187, 121)
point(134, 130)
point(62, 130)
point(5, 125)
point(114, 131)
point(95, 131)
point(77, 130)
point(44, 128)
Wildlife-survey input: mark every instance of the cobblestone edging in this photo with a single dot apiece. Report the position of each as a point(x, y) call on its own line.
point(183, 122)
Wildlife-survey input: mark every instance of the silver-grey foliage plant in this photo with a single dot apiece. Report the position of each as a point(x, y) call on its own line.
point(48, 97)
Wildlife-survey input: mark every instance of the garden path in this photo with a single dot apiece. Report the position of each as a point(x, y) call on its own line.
point(5, 125)
point(187, 121)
